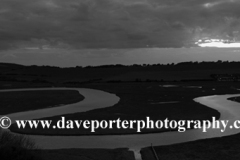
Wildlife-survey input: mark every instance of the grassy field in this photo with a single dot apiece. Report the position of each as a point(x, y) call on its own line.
point(19, 101)
point(139, 100)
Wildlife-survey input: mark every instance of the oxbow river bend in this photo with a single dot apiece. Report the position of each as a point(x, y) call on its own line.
point(93, 99)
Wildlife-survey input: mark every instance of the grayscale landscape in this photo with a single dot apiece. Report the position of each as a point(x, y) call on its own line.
point(104, 60)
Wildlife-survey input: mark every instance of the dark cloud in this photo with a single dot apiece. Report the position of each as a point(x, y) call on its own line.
point(115, 23)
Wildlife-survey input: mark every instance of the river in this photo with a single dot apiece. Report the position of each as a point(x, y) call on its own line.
point(229, 110)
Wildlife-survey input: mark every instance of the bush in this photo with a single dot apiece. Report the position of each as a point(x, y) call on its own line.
point(17, 147)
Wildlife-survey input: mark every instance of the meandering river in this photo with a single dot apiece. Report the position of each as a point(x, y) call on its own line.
point(229, 110)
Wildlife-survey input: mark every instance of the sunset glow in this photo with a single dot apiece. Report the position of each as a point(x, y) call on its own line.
point(218, 43)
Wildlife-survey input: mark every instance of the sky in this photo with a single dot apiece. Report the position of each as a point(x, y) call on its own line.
point(38, 29)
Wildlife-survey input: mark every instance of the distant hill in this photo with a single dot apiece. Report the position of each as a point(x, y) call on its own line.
point(10, 65)
point(117, 73)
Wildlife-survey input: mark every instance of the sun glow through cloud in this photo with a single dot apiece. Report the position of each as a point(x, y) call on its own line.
point(218, 43)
